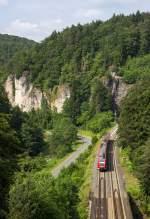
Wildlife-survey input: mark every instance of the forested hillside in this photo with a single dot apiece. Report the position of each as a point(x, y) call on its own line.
point(9, 45)
point(134, 137)
point(17, 136)
point(83, 57)
point(85, 50)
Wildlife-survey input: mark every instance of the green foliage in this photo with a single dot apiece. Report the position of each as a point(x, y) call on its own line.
point(143, 166)
point(8, 140)
point(134, 127)
point(4, 103)
point(32, 139)
point(9, 149)
point(9, 46)
point(62, 137)
point(82, 49)
point(68, 195)
point(41, 118)
point(35, 197)
point(134, 130)
point(136, 69)
point(79, 93)
point(79, 56)
point(19, 133)
point(145, 37)
point(100, 98)
point(31, 164)
point(125, 154)
point(85, 116)
point(94, 140)
point(100, 121)
point(98, 66)
point(17, 118)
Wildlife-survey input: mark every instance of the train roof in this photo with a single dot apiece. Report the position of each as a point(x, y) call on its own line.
point(103, 149)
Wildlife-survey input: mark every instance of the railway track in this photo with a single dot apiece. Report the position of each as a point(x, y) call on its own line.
point(109, 202)
point(102, 196)
point(117, 203)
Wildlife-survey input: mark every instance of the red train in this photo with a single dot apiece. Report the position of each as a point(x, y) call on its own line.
point(102, 156)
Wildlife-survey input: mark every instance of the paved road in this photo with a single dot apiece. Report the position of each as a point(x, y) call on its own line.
point(72, 158)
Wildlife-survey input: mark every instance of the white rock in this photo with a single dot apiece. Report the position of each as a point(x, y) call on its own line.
point(23, 94)
point(63, 93)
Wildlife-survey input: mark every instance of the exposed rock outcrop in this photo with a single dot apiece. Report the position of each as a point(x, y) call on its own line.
point(23, 94)
point(27, 97)
point(61, 95)
point(119, 88)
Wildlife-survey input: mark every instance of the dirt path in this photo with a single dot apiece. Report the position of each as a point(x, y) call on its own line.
point(72, 158)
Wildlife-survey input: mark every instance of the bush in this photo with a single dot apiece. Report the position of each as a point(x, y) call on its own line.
point(35, 197)
point(63, 135)
point(136, 69)
point(100, 121)
point(94, 140)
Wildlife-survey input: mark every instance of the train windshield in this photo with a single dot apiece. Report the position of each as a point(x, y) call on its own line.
point(102, 159)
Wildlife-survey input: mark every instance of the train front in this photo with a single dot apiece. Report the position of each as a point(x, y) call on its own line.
point(102, 160)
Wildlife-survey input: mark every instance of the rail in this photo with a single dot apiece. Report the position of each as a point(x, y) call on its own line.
point(99, 204)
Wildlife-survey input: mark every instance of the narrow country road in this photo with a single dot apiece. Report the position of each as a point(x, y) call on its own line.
point(72, 158)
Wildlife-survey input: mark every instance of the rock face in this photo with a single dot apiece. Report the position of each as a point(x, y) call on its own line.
point(62, 94)
point(119, 89)
point(23, 94)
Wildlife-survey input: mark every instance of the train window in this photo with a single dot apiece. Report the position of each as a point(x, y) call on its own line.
point(102, 163)
point(101, 159)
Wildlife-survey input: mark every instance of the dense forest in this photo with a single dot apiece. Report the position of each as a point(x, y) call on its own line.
point(85, 49)
point(23, 149)
point(9, 45)
point(82, 57)
point(134, 135)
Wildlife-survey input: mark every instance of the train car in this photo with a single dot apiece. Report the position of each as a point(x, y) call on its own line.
point(102, 157)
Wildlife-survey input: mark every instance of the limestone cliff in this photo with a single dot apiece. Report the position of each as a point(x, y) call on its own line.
point(61, 94)
point(23, 94)
point(27, 97)
point(117, 87)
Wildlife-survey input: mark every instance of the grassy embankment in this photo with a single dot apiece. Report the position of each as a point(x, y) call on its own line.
point(86, 185)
